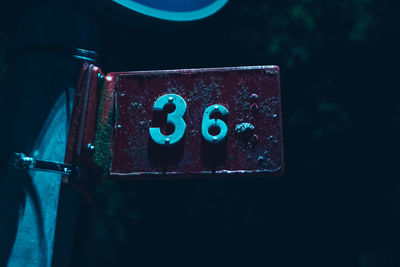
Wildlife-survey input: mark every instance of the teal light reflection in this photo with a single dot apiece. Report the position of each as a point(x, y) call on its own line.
point(173, 15)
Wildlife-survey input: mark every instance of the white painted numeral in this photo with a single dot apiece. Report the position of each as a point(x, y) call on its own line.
point(175, 118)
point(209, 123)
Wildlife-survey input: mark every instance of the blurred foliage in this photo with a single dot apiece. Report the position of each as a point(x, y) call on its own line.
point(293, 30)
point(116, 201)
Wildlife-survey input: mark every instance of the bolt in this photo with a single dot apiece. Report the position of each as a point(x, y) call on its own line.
point(254, 107)
point(215, 138)
point(167, 140)
point(90, 149)
point(100, 78)
point(216, 107)
point(170, 99)
point(254, 97)
point(119, 126)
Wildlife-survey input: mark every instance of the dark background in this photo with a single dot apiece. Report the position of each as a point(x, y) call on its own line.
point(338, 203)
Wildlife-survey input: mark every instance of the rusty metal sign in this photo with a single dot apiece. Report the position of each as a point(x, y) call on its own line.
point(181, 123)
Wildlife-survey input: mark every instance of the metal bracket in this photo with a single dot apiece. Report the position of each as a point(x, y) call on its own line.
point(21, 161)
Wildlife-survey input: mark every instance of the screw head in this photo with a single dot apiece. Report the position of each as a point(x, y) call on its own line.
point(100, 77)
point(170, 99)
point(254, 97)
point(90, 149)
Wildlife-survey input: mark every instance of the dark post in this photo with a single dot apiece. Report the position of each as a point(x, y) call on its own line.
point(41, 80)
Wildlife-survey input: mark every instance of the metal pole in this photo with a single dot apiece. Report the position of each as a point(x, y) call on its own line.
point(41, 79)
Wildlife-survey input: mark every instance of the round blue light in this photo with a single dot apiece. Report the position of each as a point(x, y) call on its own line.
point(176, 10)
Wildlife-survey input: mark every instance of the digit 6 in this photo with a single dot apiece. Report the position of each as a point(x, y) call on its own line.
point(209, 123)
point(175, 118)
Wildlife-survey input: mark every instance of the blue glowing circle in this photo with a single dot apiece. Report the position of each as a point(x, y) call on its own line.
point(177, 10)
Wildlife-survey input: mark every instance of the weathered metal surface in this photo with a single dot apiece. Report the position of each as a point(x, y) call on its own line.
point(21, 161)
point(253, 145)
point(83, 130)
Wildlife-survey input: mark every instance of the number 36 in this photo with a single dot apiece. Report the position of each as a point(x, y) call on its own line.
point(176, 118)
